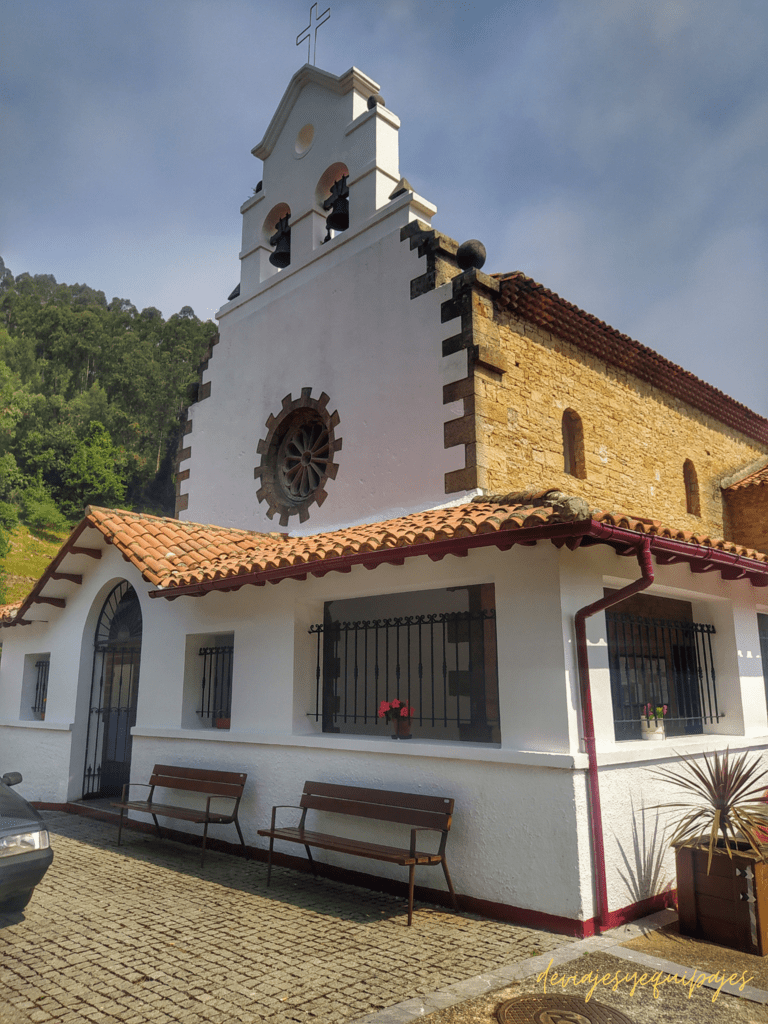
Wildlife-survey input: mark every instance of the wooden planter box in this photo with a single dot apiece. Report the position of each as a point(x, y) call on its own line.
point(728, 906)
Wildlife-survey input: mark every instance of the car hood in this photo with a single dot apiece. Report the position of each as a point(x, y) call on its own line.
point(15, 812)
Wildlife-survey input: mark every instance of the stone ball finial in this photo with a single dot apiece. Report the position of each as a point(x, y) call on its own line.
point(373, 100)
point(471, 254)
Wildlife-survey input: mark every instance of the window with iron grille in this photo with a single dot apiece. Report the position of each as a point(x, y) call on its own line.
point(762, 628)
point(434, 649)
point(34, 686)
point(41, 686)
point(661, 661)
point(216, 683)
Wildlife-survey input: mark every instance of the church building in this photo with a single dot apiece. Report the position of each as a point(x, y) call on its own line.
point(405, 477)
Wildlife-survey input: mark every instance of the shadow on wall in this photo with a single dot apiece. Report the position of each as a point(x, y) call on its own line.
point(645, 875)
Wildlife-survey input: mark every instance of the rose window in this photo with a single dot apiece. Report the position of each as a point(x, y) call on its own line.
point(297, 456)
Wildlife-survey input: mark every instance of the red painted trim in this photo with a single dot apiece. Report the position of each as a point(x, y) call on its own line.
point(621, 537)
point(661, 901)
point(595, 813)
point(393, 887)
point(370, 559)
point(52, 567)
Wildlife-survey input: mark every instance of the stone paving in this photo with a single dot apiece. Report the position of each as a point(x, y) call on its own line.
point(140, 935)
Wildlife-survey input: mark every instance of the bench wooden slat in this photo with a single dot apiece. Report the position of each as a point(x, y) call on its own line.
point(413, 809)
point(210, 788)
point(421, 801)
point(203, 774)
point(381, 812)
point(207, 782)
point(374, 851)
point(195, 814)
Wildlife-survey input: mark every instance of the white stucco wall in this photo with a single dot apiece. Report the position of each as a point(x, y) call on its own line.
point(339, 319)
point(521, 828)
point(347, 326)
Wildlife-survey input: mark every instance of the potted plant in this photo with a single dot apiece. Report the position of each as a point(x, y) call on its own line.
point(652, 722)
point(400, 712)
point(720, 849)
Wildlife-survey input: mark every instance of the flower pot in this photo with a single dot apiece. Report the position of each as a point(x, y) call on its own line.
point(402, 728)
point(222, 723)
point(728, 906)
point(653, 730)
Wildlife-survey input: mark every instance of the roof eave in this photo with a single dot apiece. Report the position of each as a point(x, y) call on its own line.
point(626, 541)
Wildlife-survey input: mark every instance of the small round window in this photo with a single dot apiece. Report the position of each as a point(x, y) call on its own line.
point(304, 139)
point(298, 456)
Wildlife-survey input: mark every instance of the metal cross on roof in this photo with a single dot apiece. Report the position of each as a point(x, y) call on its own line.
point(309, 35)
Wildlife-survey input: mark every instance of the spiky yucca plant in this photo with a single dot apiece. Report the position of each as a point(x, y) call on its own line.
point(730, 802)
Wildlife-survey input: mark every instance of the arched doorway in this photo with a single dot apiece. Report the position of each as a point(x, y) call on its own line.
point(114, 694)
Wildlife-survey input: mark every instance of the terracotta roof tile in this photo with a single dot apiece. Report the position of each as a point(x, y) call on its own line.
point(219, 553)
point(525, 298)
point(8, 612)
point(757, 479)
point(171, 554)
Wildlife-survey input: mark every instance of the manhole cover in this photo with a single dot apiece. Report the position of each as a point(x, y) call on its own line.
point(558, 1010)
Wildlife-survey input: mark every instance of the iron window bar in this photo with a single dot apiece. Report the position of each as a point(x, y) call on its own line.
point(216, 683)
point(41, 686)
point(443, 664)
point(658, 662)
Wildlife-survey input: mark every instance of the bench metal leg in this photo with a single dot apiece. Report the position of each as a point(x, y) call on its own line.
point(157, 825)
point(450, 885)
point(245, 848)
point(205, 837)
point(311, 862)
point(411, 872)
point(120, 826)
point(269, 859)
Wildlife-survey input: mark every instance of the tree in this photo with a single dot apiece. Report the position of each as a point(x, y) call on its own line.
point(67, 360)
point(95, 475)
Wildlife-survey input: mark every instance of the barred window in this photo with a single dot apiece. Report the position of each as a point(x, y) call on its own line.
point(34, 686)
point(434, 649)
point(661, 661)
point(216, 683)
point(41, 686)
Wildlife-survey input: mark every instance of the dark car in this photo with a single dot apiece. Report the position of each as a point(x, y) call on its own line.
point(25, 848)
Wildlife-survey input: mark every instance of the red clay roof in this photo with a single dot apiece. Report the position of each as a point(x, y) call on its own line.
point(536, 304)
point(177, 557)
point(8, 612)
point(756, 479)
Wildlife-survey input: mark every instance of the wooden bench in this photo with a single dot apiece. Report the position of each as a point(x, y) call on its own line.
point(423, 813)
point(215, 785)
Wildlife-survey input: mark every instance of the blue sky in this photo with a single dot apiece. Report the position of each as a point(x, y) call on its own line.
point(614, 150)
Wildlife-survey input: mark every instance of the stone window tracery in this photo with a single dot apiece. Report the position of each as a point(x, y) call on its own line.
point(298, 456)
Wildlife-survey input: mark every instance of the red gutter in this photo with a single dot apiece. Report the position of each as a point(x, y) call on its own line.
point(595, 816)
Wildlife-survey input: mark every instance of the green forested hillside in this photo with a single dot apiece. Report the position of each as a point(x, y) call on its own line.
point(91, 395)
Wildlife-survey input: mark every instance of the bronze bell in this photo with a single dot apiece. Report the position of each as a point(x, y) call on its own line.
point(281, 240)
point(338, 204)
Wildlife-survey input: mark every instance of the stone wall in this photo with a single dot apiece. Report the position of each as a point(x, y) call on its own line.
point(521, 380)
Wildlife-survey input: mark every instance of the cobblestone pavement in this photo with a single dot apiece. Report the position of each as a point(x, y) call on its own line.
point(140, 935)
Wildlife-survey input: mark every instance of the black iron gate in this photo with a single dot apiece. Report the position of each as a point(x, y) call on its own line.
point(114, 693)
